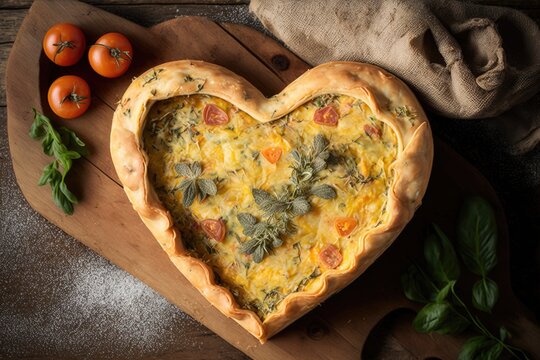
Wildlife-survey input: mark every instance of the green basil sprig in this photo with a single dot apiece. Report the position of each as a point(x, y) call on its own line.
point(435, 284)
point(477, 243)
point(65, 146)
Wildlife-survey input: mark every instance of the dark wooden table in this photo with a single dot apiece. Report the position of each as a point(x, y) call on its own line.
point(59, 299)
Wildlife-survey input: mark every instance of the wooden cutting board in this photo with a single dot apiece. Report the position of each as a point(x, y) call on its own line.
point(105, 221)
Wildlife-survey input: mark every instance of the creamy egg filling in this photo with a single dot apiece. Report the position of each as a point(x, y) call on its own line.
point(234, 156)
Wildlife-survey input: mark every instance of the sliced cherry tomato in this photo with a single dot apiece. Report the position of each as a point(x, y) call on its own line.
point(330, 256)
point(345, 225)
point(327, 116)
point(64, 44)
point(69, 96)
point(111, 55)
point(272, 154)
point(372, 131)
point(215, 229)
point(214, 115)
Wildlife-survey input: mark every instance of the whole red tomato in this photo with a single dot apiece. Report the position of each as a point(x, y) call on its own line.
point(64, 44)
point(111, 55)
point(69, 96)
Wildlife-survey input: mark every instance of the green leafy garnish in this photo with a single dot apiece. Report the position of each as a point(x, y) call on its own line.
point(65, 146)
point(477, 242)
point(279, 210)
point(445, 312)
point(194, 186)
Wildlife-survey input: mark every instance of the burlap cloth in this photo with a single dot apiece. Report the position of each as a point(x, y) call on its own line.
point(463, 60)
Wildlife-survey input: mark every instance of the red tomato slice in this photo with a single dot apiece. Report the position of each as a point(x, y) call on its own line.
point(372, 131)
point(215, 229)
point(345, 225)
point(327, 116)
point(213, 115)
point(272, 154)
point(330, 256)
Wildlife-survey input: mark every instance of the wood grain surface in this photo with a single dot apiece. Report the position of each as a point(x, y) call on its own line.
point(336, 330)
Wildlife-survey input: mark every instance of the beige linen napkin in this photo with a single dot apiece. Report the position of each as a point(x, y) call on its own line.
point(463, 60)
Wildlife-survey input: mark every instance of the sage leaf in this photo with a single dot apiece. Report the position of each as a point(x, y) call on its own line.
point(183, 169)
point(324, 192)
point(477, 236)
point(318, 164)
point(258, 254)
point(184, 184)
point(300, 206)
point(261, 196)
point(431, 317)
point(249, 246)
point(188, 196)
point(440, 257)
point(485, 294)
point(319, 144)
point(207, 186)
point(477, 347)
point(196, 169)
point(416, 287)
point(246, 220)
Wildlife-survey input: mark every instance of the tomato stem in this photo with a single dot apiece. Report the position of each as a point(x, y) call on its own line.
point(61, 46)
point(74, 97)
point(117, 54)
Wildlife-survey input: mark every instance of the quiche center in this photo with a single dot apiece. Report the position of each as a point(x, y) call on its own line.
point(270, 206)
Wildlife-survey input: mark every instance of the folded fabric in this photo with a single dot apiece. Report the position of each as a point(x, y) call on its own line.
point(463, 60)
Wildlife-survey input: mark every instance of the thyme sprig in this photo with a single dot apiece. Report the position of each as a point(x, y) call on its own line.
point(194, 185)
point(294, 200)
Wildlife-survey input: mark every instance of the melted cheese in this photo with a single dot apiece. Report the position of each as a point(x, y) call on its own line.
point(175, 133)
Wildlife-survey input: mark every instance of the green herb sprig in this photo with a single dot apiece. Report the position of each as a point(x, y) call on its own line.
point(194, 185)
point(435, 285)
point(292, 201)
point(65, 146)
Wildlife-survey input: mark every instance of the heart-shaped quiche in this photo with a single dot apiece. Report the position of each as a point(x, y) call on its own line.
point(269, 206)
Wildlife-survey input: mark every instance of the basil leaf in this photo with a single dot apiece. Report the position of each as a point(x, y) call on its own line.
point(440, 257)
point(477, 236)
point(455, 323)
point(494, 352)
point(443, 293)
point(476, 348)
point(485, 294)
point(431, 317)
point(60, 199)
point(416, 287)
point(68, 194)
point(48, 173)
point(504, 334)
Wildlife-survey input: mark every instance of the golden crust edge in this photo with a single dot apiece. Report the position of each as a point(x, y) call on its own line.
point(413, 166)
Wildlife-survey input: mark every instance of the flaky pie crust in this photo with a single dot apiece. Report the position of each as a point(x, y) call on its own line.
point(380, 90)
